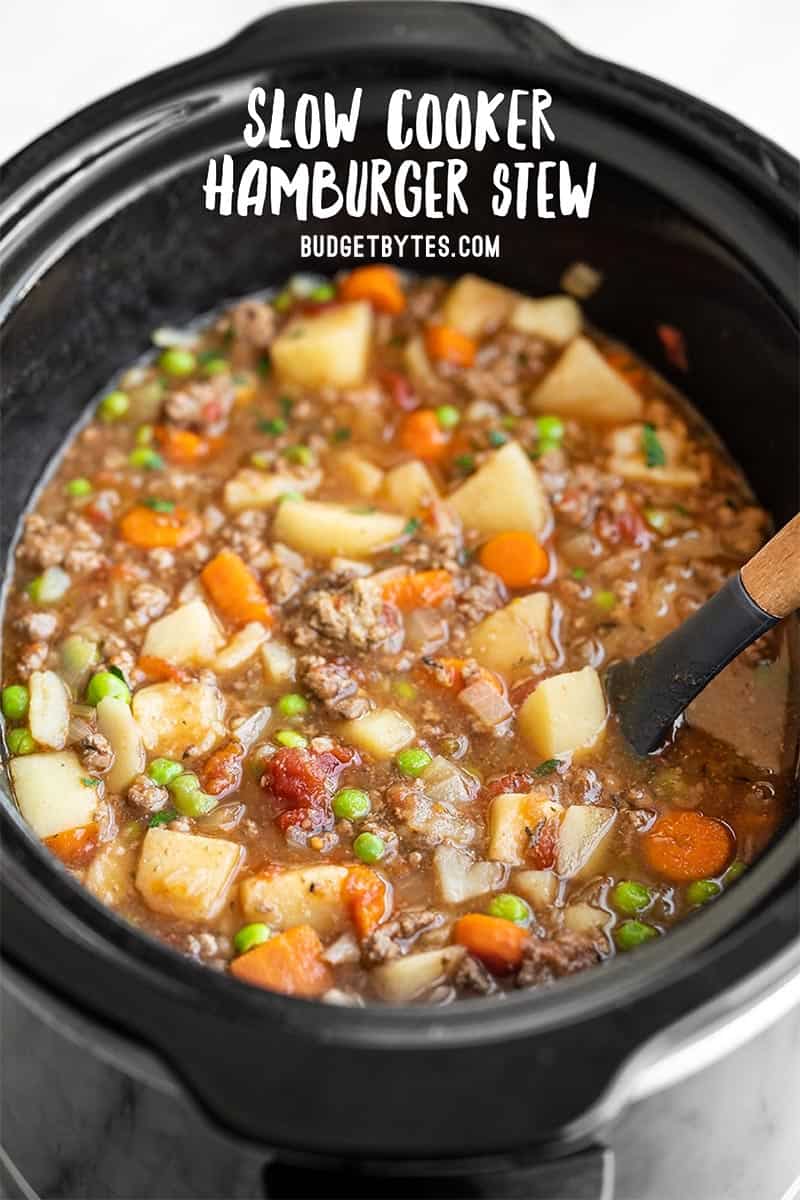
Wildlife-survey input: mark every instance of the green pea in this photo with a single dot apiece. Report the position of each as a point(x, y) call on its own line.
point(302, 455)
point(177, 361)
point(113, 406)
point(20, 742)
point(106, 683)
point(250, 936)
point(605, 600)
point(351, 804)
point(550, 427)
point(273, 425)
point(578, 572)
point(189, 797)
point(413, 761)
point(369, 847)
point(291, 738)
point(447, 416)
point(145, 458)
point(630, 934)
point(214, 365)
point(78, 487)
point(545, 445)
point(734, 871)
point(701, 891)
point(322, 294)
point(15, 700)
point(509, 907)
point(657, 519)
point(293, 705)
point(163, 770)
point(631, 897)
point(49, 587)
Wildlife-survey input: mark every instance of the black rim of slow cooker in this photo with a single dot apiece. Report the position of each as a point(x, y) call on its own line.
point(31, 875)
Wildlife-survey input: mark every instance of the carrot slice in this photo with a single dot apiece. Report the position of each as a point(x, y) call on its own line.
point(235, 590)
point(685, 845)
point(181, 445)
point(369, 897)
point(496, 942)
point(423, 589)
point(144, 527)
point(290, 963)
point(158, 668)
point(74, 846)
point(446, 344)
point(421, 434)
point(379, 285)
point(517, 557)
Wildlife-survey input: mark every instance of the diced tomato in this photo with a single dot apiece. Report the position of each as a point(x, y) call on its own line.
point(624, 523)
point(514, 781)
point(674, 346)
point(544, 846)
point(302, 783)
point(400, 390)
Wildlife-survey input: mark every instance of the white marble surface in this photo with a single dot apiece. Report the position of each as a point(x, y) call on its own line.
point(59, 56)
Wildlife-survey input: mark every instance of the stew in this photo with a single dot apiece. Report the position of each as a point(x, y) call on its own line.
point(304, 651)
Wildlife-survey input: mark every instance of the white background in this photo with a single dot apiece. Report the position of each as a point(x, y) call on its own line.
point(58, 55)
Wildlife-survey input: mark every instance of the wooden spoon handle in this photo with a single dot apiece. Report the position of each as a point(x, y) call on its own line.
point(772, 576)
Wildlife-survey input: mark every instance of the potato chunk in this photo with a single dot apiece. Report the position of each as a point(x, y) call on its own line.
point(476, 307)
point(583, 385)
point(408, 487)
point(279, 662)
point(186, 876)
point(362, 475)
point(189, 636)
point(52, 792)
point(326, 530)
point(380, 733)
point(587, 920)
point(557, 319)
point(584, 829)
point(460, 877)
point(241, 648)
point(116, 722)
point(330, 349)
point(309, 896)
point(515, 636)
point(539, 888)
point(404, 979)
point(175, 717)
point(505, 493)
point(48, 715)
point(512, 818)
point(250, 488)
point(564, 713)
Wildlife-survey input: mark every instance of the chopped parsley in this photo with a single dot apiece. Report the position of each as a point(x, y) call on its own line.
point(87, 781)
point(162, 818)
point(157, 504)
point(116, 671)
point(412, 525)
point(341, 435)
point(264, 365)
point(464, 463)
point(547, 767)
point(653, 450)
point(578, 572)
point(496, 438)
point(287, 404)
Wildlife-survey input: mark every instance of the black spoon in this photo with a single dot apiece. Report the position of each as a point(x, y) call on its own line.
point(650, 692)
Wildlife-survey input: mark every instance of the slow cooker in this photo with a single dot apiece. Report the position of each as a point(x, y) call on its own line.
point(104, 238)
